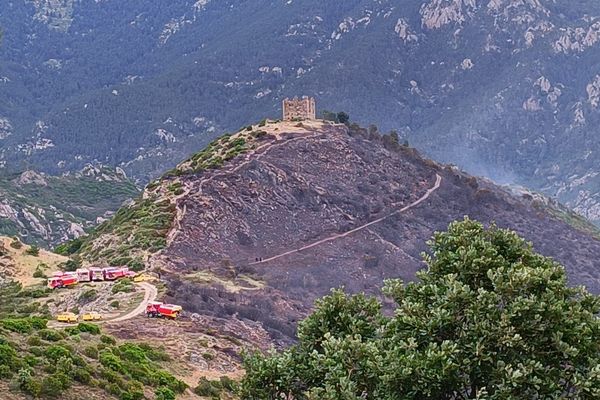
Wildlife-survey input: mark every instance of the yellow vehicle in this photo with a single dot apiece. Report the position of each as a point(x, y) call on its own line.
point(145, 278)
point(66, 317)
point(91, 316)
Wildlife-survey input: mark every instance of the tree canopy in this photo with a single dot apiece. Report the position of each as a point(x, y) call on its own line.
point(487, 319)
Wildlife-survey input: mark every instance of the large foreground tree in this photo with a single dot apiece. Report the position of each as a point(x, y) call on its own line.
point(488, 319)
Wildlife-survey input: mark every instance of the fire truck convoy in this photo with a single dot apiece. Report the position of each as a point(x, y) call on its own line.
point(64, 279)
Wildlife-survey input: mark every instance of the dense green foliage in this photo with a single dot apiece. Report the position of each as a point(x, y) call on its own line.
point(488, 319)
point(142, 226)
point(44, 363)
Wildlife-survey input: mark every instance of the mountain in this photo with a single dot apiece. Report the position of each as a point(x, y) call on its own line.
point(508, 89)
point(46, 209)
point(262, 222)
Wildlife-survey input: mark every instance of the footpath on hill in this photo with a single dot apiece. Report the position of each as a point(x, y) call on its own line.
point(438, 181)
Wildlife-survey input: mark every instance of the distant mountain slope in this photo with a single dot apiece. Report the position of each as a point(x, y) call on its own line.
point(505, 88)
point(48, 209)
point(262, 222)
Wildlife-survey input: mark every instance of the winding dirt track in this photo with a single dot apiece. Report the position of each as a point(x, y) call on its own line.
point(150, 294)
point(438, 182)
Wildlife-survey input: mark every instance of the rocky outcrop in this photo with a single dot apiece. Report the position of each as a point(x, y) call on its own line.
point(49, 209)
point(5, 128)
point(437, 13)
point(57, 14)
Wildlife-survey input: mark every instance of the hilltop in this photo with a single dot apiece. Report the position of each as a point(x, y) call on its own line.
point(262, 222)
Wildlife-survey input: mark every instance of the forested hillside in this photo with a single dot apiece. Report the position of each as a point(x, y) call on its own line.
point(45, 209)
point(506, 88)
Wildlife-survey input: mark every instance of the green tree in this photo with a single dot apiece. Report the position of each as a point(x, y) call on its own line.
point(488, 319)
point(329, 116)
point(342, 117)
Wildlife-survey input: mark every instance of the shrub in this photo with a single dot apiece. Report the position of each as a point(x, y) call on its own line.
point(123, 285)
point(208, 388)
point(164, 393)
point(89, 328)
point(83, 376)
point(132, 352)
point(28, 384)
point(70, 265)
point(36, 351)
point(5, 372)
point(228, 384)
point(8, 356)
point(91, 352)
point(163, 378)
point(110, 361)
point(32, 361)
point(39, 273)
point(88, 296)
point(34, 341)
point(53, 385)
point(155, 354)
point(108, 340)
point(115, 304)
point(19, 325)
point(51, 335)
point(65, 366)
point(16, 243)
point(69, 248)
point(56, 352)
point(132, 394)
point(136, 265)
point(33, 251)
point(38, 323)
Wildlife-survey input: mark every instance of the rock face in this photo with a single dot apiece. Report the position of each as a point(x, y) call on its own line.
point(313, 205)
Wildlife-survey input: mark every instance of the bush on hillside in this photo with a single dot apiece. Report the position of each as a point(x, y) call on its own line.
point(489, 318)
point(33, 250)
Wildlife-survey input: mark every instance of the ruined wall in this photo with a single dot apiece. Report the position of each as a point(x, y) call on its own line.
point(303, 108)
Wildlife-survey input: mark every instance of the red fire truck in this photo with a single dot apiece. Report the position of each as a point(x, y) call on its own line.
point(84, 275)
point(96, 274)
point(156, 309)
point(67, 279)
point(61, 279)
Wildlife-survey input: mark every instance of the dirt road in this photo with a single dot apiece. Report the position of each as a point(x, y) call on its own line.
point(438, 181)
point(150, 294)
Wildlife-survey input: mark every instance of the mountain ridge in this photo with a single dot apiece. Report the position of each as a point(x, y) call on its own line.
point(177, 77)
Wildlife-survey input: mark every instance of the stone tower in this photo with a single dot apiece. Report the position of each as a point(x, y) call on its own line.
point(296, 108)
